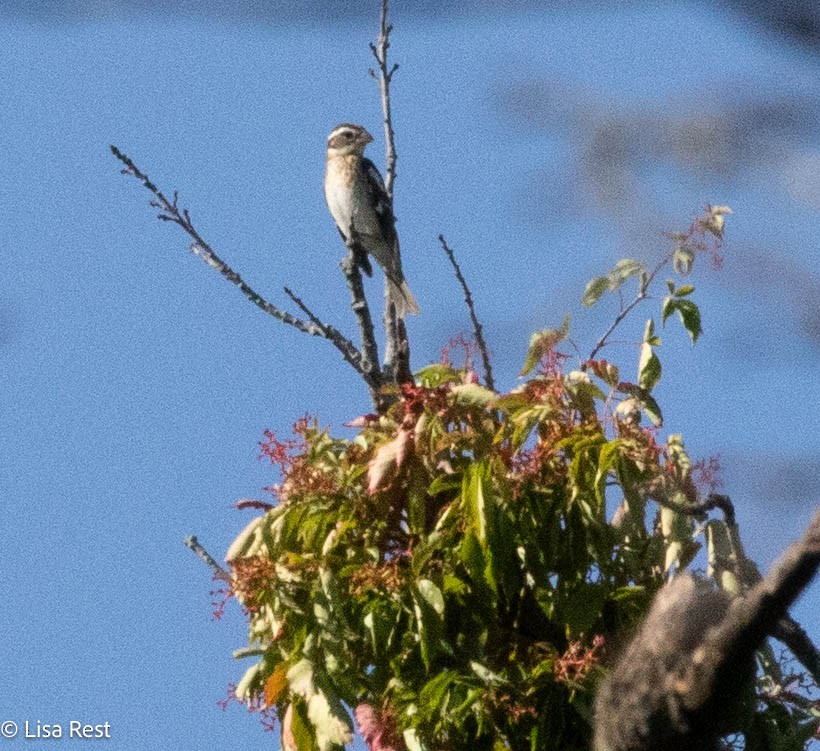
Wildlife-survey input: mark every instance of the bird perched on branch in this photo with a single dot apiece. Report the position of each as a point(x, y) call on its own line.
point(363, 211)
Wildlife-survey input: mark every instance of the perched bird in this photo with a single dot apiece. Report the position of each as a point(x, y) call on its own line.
point(359, 204)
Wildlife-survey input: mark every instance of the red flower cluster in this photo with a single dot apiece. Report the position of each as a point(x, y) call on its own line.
point(572, 667)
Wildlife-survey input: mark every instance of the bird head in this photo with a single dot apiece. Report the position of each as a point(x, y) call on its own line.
point(346, 139)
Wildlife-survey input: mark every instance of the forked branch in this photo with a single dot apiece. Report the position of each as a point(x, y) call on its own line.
point(169, 211)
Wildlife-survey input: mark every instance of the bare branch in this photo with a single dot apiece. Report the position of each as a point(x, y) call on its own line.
point(203, 555)
point(379, 50)
point(170, 212)
point(351, 268)
point(478, 331)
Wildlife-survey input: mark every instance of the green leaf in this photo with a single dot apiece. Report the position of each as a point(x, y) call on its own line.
point(652, 410)
point(416, 510)
point(721, 557)
point(583, 469)
point(250, 683)
point(594, 289)
point(541, 342)
point(412, 740)
point(248, 540)
point(437, 374)
point(472, 395)
point(714, 221)
point(645, 399)
point(649, 366)
point(434, 695)
point(475, 505)
point(428, 605)
point(432, 594)
point(649, 335)
point(580, 387)
point(607, 460)
point(490, 522)
point(676, 528)
point(382, 622)
point(473, 558)
point(625, 269)
point(485, 675)
point(297, 726)
point(300, 678)
point(688, 312)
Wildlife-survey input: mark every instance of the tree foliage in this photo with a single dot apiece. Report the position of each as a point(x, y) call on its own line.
point(456, 572)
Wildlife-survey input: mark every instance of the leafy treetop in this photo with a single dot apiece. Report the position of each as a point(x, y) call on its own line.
point(457, 571)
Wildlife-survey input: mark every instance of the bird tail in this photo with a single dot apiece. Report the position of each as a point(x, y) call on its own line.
point(402, 298)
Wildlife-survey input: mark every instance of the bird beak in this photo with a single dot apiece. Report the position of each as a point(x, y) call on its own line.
point(365, 137)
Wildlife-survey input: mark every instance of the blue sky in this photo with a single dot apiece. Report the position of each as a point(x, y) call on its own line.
point(137, 383)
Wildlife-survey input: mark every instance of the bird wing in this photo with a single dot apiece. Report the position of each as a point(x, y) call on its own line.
point(381, 202)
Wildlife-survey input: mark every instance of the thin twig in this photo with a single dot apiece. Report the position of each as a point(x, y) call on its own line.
point(379, 50)
point(478, 331)
point(641, 295)
point(170, 212)
point(204, 556)
point(705, 234)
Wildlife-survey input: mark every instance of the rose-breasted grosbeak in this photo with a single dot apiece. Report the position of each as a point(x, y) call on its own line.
point(360, 206)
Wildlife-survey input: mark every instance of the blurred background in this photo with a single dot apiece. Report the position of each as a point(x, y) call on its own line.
point(544, 142)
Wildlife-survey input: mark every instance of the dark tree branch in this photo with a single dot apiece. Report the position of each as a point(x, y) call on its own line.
point(358, 302)
point(478, 331)
point(678, 684)
point(403, 373)
point(346, 347)
point(204, 556)
point(793, 635)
